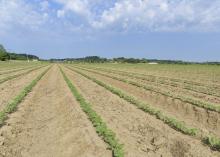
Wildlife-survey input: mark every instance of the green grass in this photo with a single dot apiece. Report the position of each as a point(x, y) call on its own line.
point(198, 103)
point(101, 127)
point(12, 106)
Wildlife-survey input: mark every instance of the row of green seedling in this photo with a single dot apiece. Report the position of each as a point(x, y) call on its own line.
point(17, 75)
point(16, 70)
point(198, 103)
point(101, 128)
point(162, 80)
point(212, 141)
point(12, 106)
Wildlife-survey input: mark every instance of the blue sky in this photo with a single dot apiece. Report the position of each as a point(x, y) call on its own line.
point(162, 29)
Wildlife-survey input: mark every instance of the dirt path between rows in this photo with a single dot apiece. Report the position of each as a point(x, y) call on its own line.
point(207, 121)
point(9, 89)
point(15, 73)
point(50, 123)
point(166, 86)
point(142, 135)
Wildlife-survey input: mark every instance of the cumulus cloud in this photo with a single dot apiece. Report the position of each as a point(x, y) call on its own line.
point(148, 15)
point(17, 14)
point(115, 15)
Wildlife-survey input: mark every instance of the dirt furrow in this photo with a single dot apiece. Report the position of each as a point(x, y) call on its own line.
point(207, 121)
point(16, 72)
point(143, 135)
point(50, 123)
point(11, 88)
point(166, 85)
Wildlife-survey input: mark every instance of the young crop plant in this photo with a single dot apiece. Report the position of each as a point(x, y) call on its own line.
point(198, 103)
point(212, 141)
point(162, 80)
point(15, 70)
point(17, 75)
point(12, 106)
point(101, 128)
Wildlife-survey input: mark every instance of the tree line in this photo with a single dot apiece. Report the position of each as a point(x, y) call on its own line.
point(4, 55)
point(97, 59)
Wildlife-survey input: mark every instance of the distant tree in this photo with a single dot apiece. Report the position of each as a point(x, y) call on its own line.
point(3, 53)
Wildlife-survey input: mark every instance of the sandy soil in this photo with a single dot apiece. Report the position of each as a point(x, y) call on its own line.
point(50, 123)
point(142, 135)
point(207, 121)
point(177, 90)
point(16, 72)
point(11, 88)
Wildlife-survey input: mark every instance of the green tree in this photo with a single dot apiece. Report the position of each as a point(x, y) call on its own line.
point(3, 53)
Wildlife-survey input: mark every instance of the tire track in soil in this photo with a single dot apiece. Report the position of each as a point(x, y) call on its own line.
point(49, 122)
point(141, 134)
point(207, 121)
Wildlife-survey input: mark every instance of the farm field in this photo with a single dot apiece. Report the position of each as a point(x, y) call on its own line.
point(104, 110)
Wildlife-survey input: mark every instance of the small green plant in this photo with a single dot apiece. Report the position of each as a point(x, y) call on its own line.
point(101, 127)
point(185, 84)
point(17, 75)
point(192, 101)
point(12, 106)
point(180, 126)
point(213, 142)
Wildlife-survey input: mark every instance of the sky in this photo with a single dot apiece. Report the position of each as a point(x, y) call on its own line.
point(155, 29)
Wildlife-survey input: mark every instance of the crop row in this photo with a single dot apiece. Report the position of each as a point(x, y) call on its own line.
point(198, 103)
point(101, 128)
point(11, 106)
point(15, 70)
point(188, 85)
point(211, 140)
point(17, 75)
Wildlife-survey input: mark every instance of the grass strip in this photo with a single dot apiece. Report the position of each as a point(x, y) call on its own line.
point(192, 101)
point(101, 128)
point(212, 141)
point(17, 75)
point(12, 106)
point(163, 80)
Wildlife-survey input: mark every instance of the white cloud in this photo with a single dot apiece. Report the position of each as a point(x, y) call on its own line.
point(114, 15)
point(60, 13)
point(150, 15)
point(18, 14)
point(44, 5)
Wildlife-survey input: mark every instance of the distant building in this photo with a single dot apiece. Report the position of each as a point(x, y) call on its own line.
point(153, 63)
point(35, 60)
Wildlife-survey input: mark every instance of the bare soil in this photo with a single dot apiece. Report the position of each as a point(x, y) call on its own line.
point(207, 121)
point(142, 135)
point(50, 123)
point(10, 88)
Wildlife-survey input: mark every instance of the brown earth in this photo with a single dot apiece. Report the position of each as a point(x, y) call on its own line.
point(207, 121)
point(158, 73)
point(177, 90)
point(142, 135)
point(10, 88)
point(14, 70)
point(50, 123)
